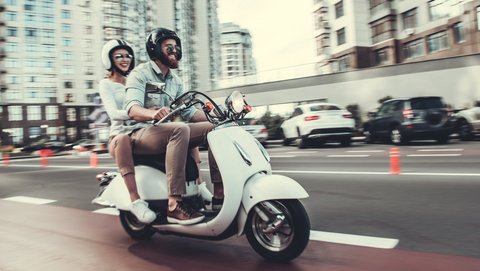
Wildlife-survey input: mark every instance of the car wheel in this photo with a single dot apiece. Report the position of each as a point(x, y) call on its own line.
point(368, 136)
point(396, 136)
point(287, 141)
point(303, 142)
point(464, 130)
point(346, 142)
point(443, 139)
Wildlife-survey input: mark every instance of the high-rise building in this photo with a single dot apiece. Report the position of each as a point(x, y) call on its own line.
point(52, 64)
point(237, 55)
point(355, 34)
point(196, 23)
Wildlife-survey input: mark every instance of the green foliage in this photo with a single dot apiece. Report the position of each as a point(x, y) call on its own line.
point(272, 123)
point(386, 98)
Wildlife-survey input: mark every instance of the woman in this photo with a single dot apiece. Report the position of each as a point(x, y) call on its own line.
point(118, 59)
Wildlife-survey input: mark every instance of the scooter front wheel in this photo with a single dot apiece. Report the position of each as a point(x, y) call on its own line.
point(278, 230)
point(135, 228)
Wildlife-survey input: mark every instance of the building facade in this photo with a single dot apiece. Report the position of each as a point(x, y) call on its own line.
point(237, 55)
point(50, 58)
point(355, 34)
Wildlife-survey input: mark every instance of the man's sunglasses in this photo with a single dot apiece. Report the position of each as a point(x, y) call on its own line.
point(120, 56)
point(171, 47)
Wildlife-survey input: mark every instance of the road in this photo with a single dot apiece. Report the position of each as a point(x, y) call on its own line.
point(359, 212)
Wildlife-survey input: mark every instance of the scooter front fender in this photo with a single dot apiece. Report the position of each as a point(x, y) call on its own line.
point(267, 187)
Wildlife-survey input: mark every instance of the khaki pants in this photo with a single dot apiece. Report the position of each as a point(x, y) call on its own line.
point(174, 140)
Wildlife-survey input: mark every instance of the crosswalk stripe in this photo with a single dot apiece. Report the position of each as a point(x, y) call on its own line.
point(30, 200)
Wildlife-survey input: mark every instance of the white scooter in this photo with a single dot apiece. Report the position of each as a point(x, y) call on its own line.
point(257, 203)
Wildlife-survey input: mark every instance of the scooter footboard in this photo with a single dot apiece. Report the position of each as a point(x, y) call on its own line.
point(151, 185)
point(267, 187)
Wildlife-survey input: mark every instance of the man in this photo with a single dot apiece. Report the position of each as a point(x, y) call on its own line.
point(173, 139)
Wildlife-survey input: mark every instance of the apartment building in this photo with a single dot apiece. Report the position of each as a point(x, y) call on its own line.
point(238, 64)
point(50, 58)
point(355, 34)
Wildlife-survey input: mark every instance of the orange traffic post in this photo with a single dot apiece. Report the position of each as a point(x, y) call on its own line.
point(93, 159)
point(394, 161)
point(6, 159)
point(43, 157)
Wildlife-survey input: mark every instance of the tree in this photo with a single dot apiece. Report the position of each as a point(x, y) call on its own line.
point(272, 123)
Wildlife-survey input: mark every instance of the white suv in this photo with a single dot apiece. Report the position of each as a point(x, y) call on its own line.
point(318, 122)
point(468, 122)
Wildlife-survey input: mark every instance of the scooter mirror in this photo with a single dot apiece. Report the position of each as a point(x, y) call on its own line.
point(235, 102)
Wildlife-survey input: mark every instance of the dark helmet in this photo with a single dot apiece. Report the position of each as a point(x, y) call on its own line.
point(108, 49)
point(154, 42)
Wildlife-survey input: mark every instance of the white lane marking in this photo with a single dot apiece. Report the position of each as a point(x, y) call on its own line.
point(348, 155)
point(30, 200)
point(434, 155)
point(426, 150)
point(296, 171)
point(355, 240)
point(302, 152)
point(368, 151)
point(107, 211)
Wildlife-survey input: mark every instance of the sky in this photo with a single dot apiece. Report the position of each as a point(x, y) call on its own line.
point(282, 30)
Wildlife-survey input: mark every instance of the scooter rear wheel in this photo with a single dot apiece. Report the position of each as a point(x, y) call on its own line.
point(286, 243)
point(135, 228)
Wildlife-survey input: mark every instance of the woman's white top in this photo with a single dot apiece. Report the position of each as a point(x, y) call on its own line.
point(113, 95)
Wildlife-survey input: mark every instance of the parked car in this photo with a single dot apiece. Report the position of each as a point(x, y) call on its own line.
point(259, 131)
point(405, 119)
point(54, 146)
point(467, 122)
point(318, 122)
point(90, 145)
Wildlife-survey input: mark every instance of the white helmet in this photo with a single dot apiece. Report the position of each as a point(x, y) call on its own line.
point(111, 46)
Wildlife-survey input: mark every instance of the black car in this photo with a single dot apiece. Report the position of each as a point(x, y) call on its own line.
point(402, 120)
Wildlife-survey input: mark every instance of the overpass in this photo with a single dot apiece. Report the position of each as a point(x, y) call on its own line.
point(456, 79)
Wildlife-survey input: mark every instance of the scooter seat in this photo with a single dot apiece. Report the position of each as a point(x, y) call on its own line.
point(158, 162)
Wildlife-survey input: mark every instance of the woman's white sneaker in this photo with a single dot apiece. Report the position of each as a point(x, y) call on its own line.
point(139, 209)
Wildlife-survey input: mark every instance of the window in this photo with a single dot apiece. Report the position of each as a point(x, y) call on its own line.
point(67, 55)
point(478, 18)
point(343, 63)
point(11, 2)
point(12, 79)
point(89, 84)
point(437, 42)
point(15, 113)
point(11, 31)
point(17, 135)
point(34, 112)
point(65, 2)
point(88, 57)
point(11, 63)
point(29, 7)
point(87, 16)
point(11, 47)
point(87, 29)
point(413, 49)
point(51, 112)
point(68, 84)
point(11, 16)
point(67, 69)
point(339, 9)
point(66, 28)
point(84, 113)
point(459, 32)
point(438, 9)
point(66, 14)
point(341, 36)
point(67, 42)
point(382, 30)
point(30, 32)
point(34, 132)
point(71, 114)
point(409, 19)
point(381, 56)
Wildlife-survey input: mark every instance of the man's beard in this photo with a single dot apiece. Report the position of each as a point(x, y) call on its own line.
point(172, 62)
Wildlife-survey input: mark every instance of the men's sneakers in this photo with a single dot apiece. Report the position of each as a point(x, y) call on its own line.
point(184, 215)
point(140, 209)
